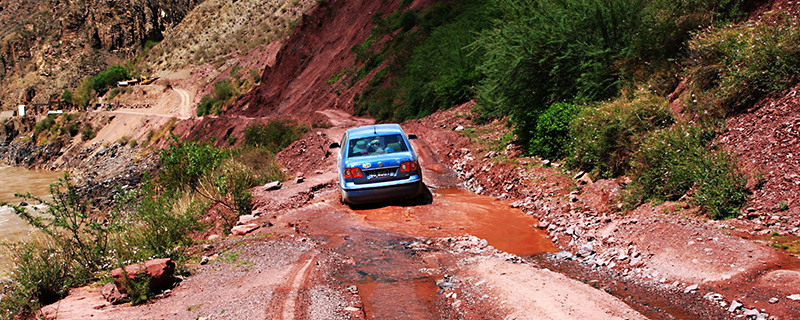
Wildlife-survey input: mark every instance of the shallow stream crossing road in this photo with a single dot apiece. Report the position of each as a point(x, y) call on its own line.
point(452, 254)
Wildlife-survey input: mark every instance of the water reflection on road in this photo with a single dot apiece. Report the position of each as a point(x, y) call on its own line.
point(392, 280)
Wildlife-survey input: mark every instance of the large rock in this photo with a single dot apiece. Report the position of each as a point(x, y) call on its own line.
point(159, 272)
point(246, 219)
point(274, 185)
point(111, 293)
point(244, 229)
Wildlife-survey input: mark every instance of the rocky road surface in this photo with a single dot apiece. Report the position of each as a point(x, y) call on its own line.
point(474, 248)
point(433, 258)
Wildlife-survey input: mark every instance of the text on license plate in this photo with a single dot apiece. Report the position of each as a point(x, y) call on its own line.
point(380, 173)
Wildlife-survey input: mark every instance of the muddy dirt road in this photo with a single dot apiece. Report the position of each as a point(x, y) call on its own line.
point(451, 255)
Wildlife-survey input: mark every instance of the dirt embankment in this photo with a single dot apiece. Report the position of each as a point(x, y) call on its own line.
point(668, 249)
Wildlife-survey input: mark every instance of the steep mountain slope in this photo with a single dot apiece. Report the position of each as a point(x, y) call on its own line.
point(295, 84)
point(47, 46)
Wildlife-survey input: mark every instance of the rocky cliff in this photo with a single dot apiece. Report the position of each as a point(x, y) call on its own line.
point(47, 46)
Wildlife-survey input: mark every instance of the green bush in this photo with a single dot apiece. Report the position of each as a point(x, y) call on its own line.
point(72, 128)
point(224, 90)
point(157, 222)
point(76, 243)
point(79, 231)
point(605, 137)
point(213, 102)
point(433, 64)
point(108, 79)
point(548, 51)
point(274, 135)
point(184, 163)
point(677, 160)
point(205, 105)
point(42, 275)
point(740, 64)
point(88, 132)
point(45, 124)
point(577, 51)
point(551, 137)
point(67, 97)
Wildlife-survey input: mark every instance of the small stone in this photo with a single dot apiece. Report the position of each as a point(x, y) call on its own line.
point(204, 260)
point(459, 128)
point(353, 289)
point(585, 250)
point(111, 293)
point(352, 309)
point(545, 162)
point(23, 204)
point(773, 300)
point(750, 312)
point(213, 237)
point(564, 255)
point(300, 180)
point(734, 305)
point(691, 288)
point(579, 175)
point(794, 297)
point(274, 185)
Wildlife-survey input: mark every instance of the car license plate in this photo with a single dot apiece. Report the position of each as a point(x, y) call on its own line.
point(380, 173)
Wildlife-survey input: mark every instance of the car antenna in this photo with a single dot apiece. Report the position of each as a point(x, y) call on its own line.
point(374, 130)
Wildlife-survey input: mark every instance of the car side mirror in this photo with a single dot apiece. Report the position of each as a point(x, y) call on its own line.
point(412, 137)
point(334, 145)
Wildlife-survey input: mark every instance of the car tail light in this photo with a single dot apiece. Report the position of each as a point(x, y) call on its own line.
point(351, 173)
point(409, 166)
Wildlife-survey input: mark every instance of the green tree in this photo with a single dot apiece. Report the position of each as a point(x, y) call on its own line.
point(109, 78)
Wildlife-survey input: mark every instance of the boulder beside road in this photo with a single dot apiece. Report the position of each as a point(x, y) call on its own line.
point(159, 271)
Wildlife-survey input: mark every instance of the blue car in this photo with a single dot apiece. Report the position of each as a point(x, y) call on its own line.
point(377, 164)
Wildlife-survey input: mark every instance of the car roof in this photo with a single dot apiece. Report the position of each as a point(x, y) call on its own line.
point(371, 130)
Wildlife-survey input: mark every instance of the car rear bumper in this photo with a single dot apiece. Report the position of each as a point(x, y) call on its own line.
point(384, 193)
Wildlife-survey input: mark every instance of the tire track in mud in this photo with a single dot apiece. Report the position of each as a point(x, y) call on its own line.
point(283, 304)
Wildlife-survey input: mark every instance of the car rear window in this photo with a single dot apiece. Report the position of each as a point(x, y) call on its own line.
point(376, 145)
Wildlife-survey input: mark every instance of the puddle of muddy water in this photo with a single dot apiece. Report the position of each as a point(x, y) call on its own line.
point(392, 282)
point(455, 212)
point(412, 299)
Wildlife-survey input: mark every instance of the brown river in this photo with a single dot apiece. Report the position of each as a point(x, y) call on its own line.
point(19, 180)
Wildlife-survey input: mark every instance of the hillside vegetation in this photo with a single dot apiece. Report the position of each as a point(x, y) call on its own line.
point(590, 82)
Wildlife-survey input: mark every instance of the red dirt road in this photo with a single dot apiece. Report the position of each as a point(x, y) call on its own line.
point(434, 259)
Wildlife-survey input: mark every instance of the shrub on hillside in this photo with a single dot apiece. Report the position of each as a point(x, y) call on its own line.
point(224, 90)
point(740, 64)
point(108, 79)
point(541, 52)
point(184, 163)
point(157, 221)
point(45, 124)
point(677, 160)
point(88, 132)
point(42, 274)
point(551, 137)
point(605, 137)
point(577, 51)
point(274, 135)
point(442, 71)
point(433, 66)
